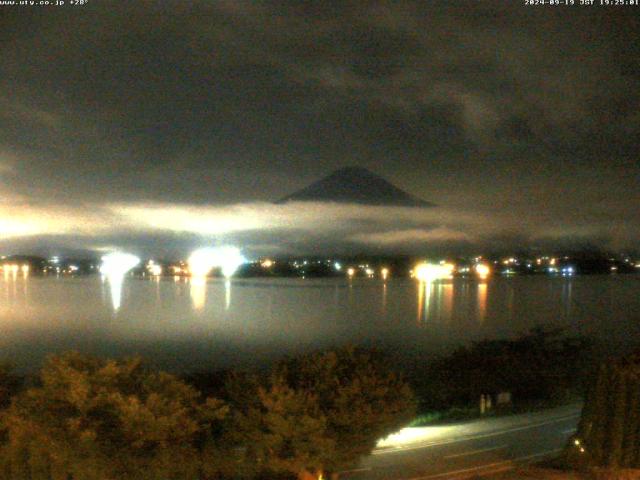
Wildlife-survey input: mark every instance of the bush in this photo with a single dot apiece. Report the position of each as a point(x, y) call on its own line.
point(94, 419)
point(320, 412)
point(541, 365)
point(97, 419)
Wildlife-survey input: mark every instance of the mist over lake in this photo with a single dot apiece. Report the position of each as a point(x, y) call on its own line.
point(188, 325)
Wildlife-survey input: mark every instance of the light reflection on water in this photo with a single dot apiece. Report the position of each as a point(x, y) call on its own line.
point(180, 322)
point(198, 291)
point(482, 300)
point(114, 285)
point(435, 301)
point(227, 294)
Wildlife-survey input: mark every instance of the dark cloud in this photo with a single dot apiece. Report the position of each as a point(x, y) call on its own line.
point(502, 110)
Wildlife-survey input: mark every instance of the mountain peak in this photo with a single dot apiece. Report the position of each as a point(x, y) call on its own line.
point(353, 184)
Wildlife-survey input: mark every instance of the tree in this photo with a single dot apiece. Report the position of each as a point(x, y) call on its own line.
point(540, 365)
point(10, 384)
point(608, 432)
point(272, 430)
point(322, 412)
point(362, 398)
point(104, 419)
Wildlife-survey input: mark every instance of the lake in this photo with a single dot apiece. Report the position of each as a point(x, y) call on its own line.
point(180, 324)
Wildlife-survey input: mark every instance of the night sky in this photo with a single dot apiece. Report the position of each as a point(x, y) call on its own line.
point(160, 126)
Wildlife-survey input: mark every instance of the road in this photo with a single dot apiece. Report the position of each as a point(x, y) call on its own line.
point(465, 450)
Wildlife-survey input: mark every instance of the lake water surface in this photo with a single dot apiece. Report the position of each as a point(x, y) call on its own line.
point(184, 325)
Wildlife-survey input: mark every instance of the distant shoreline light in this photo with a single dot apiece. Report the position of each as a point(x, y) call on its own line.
point(227, 258)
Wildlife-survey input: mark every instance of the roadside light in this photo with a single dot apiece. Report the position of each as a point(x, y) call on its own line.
point(351, 272)
point(385, 273)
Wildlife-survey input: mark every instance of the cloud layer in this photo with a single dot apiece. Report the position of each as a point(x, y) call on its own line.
point(188, 118)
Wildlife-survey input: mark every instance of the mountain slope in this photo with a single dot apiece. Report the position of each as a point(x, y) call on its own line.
point(355, 185)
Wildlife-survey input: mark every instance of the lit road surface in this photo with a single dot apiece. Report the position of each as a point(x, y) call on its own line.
point(465, 450)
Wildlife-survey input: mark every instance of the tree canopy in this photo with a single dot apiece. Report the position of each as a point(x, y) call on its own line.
point(104, 419)
point(324, 411)
point(88, 418)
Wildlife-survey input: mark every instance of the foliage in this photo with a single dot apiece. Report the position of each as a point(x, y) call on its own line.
point(322, 412)
point(94, 419)
point(104, 419)
point(360, 395)
point(541, 365)
point(10, 384)
point(608, 434)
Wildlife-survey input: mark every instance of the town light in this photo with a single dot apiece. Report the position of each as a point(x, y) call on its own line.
point(202, 261)
point(482, 270)
point(155, 269)
point(228, 259)
point(428, 272)
point(118, 264)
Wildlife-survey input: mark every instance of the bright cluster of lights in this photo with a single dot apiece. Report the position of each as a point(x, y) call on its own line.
point(118, 264)
point(154, 269)
point(230, 260)
point(483, 270)
point(428, 272)
point(203, 260)
point(176, 270)
point(13, 269)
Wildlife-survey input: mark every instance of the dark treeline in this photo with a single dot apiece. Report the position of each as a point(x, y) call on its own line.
point(86, 418)
point(541, 367)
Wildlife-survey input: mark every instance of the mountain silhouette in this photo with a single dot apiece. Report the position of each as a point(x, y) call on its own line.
point(355, 185)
